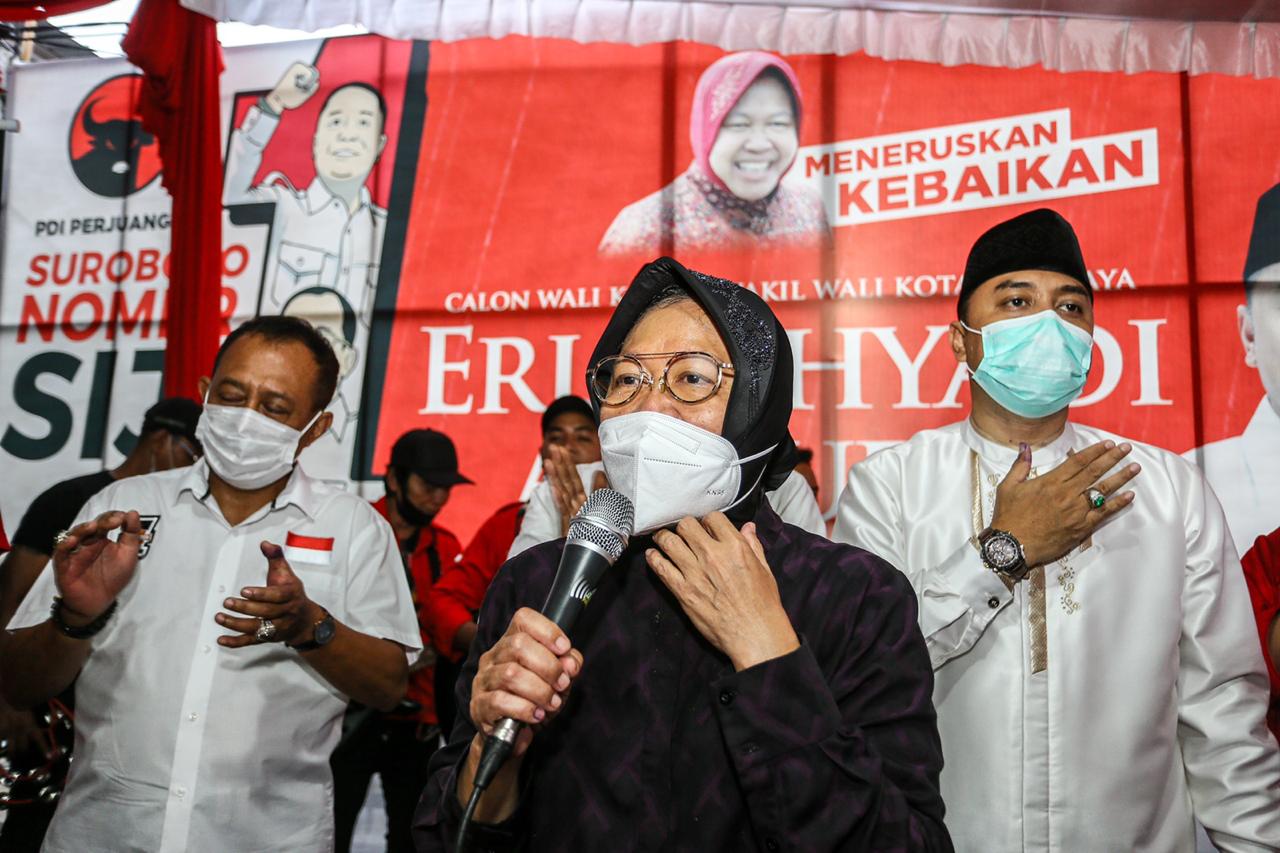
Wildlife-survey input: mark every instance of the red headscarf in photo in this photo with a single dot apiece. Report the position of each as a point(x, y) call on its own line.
point(719, 88)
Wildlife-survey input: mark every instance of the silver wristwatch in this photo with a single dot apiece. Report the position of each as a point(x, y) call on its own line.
point(1002, 553)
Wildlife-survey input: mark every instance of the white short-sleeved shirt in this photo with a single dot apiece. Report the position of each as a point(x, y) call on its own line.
point(182, 744)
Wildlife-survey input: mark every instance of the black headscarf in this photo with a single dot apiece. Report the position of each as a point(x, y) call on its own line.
point(759, 407)
point(1037, 240)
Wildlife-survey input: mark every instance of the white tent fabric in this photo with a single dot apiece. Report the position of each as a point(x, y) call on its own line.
point(1008, 41)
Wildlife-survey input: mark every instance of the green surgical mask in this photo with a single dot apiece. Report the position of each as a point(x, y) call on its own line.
point(1033, 366)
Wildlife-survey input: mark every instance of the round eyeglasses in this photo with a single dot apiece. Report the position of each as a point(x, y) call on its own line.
point(690, 377)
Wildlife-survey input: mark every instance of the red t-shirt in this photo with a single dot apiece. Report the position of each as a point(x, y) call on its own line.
point(4, 540)
point(1262, 572)
point(456, 597)
point(448, 548)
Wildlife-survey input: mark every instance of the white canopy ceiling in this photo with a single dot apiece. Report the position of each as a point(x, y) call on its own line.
point(1239, 37)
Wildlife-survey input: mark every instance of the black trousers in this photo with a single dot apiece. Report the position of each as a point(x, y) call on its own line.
point(396, 750)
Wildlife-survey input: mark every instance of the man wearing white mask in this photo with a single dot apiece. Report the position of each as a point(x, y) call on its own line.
point(216, 653)
point(736, 683)
point(1098, 679)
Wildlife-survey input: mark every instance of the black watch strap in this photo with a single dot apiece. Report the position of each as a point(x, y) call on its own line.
point(322, 634)
point(79, 632)
point(1002, 553)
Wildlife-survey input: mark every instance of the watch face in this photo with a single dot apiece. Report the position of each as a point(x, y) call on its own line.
point(324, 631)
point(1001, 551)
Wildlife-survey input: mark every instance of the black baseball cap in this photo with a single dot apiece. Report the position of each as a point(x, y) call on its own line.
point(564, 405)
point(178, 415)
point(429, 454)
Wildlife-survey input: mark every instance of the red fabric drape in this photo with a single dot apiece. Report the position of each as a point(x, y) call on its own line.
point(178, 52)
point(27, 11)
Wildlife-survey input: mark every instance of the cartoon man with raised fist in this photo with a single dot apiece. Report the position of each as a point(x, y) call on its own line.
point(330, 233)
point(213, 676)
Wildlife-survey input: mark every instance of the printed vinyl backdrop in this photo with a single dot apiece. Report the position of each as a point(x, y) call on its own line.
point(459, 219)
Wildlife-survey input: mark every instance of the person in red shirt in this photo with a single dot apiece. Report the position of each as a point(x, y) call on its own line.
point(1262, 572)
point(568, 438)
point(398, 744)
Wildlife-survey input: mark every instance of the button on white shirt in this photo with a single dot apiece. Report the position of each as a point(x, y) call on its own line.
point(793, 501)
point(182, 744)
point(1150, 707)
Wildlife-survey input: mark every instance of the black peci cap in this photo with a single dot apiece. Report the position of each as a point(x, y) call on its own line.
point(1264, 241)
point(429, 454)
point(1038, 240)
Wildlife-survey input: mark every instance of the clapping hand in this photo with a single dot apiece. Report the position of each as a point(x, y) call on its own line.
point(724, 585)
point(566, 486)
point(90, 568)
point(279, 611)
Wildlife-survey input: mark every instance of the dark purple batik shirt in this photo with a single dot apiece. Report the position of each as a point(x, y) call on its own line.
point(662, 746)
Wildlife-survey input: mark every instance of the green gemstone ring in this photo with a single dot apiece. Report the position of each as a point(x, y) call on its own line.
point(1096, 498)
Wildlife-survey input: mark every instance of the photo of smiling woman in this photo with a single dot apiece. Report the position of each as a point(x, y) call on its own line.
point(745, 130)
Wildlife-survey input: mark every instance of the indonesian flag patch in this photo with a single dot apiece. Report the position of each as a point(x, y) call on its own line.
point(316, 550)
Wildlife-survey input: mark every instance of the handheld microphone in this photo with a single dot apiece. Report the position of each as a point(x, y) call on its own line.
point(597, 536)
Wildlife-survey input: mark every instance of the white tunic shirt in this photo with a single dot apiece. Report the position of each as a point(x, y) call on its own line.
point(183, 745)
point(1140, 701)
point(1245, 473)
point(793, 501)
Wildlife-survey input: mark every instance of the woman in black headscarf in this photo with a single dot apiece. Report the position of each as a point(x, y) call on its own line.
point(737, 683)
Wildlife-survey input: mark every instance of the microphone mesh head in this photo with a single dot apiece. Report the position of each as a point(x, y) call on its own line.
point(605, 521)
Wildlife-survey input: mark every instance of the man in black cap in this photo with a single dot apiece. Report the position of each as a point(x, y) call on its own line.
point(1097, 678)
point(397, 744)
point(1245, 470)
point(167, 440)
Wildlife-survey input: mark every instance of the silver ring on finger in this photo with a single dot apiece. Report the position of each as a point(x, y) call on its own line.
point(60, 537)
point(266, 631)
point(1096, 497)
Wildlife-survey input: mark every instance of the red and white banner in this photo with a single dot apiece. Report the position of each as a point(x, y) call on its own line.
point(466, 269)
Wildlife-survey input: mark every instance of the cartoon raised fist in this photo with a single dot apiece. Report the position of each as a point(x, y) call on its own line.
point(298, 83)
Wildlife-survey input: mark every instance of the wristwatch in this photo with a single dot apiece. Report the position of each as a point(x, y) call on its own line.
point(321, 635)
point(1002, 553)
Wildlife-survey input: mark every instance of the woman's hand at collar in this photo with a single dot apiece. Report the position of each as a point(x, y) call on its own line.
point(722, 580)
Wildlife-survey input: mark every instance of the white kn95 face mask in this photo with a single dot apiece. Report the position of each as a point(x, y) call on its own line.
point(670, 468)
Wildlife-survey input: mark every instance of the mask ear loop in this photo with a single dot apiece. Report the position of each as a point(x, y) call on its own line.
point(753, 457)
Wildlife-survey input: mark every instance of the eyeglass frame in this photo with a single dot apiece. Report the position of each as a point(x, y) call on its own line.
point(648, 378)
